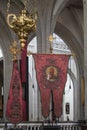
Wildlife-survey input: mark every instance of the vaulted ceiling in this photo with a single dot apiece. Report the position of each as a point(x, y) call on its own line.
point(66, 18)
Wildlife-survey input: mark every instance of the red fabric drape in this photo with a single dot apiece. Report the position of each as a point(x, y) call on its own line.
point(51, 72)
point(14, 108)
point(23, 77)
point(23, 64)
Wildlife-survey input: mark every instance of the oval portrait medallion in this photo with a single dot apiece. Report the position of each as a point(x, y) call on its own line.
point(51, 73)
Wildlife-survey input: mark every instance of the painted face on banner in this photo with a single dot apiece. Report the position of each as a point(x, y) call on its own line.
point(51, 73)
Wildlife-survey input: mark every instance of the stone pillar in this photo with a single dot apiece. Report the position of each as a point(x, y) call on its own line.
point(85, 53)
point(44, 30)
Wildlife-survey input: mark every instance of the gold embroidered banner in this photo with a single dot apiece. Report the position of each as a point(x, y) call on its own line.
point(14, 109)
point(51, 73)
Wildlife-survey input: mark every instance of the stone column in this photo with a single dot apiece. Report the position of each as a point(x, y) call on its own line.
point(85, 53)
point(44, 25)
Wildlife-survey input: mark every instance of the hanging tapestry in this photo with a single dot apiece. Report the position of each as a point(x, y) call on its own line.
point(51, 73)
point(14, 108)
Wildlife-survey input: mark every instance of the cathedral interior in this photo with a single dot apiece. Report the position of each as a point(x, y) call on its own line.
point(63, 19)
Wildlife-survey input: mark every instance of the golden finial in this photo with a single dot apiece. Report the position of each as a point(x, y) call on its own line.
point(51, 38)
point(14, 50)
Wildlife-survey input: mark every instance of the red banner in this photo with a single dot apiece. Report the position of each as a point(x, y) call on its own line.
point(23, 64)
point(23, 71)
point(51, 72)
point(14, 109)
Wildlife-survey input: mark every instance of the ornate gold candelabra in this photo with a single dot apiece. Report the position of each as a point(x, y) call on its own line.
point(22, 25)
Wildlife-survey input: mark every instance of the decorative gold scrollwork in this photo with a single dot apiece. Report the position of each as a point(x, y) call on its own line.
point(22, 25)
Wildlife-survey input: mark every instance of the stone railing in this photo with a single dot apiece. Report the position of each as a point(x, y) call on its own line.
point(41, 126)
